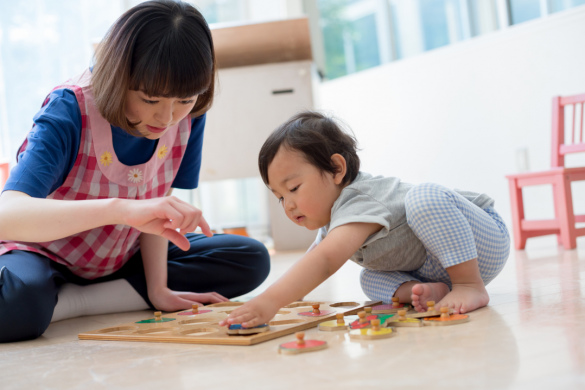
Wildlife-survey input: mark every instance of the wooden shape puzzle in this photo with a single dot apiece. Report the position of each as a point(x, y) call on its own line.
point(402, 320)
point(446, 318)
point(300, 345)
point(373, 333)
point(204, 328)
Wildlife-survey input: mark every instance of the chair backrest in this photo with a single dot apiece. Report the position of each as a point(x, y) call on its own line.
point(563, 144)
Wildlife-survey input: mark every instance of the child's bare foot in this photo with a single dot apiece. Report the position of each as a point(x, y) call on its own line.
point(423, 292)
point(464, 298)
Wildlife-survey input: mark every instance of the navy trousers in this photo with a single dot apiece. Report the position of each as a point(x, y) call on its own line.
point(29, 283)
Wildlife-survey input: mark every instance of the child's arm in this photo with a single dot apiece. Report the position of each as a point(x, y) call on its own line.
point(24, 218)
point(310, 271)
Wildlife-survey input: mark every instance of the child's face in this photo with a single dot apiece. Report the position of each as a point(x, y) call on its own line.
point(156, 114)
point(306, 194)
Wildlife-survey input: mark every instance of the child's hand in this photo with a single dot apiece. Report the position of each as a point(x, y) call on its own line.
point(163, 216)
point(168, 300)
point(256, 312)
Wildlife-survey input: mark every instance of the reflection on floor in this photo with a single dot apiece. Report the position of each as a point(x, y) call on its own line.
point(532, 335)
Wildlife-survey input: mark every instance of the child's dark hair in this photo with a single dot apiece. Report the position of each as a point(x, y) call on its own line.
point(161, 47)
point(318, 138)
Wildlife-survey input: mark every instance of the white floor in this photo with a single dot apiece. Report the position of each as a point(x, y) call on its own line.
point(531, 336)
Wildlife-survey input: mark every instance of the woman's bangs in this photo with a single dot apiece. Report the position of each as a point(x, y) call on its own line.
point(179, 76)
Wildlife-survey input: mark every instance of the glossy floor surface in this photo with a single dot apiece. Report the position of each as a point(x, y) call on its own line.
point(531, 336)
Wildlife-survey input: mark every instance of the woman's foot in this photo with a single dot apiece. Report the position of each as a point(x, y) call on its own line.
point(464, 298)
point(424, 292)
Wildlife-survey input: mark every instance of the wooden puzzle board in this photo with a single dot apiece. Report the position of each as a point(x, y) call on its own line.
point(203, 328)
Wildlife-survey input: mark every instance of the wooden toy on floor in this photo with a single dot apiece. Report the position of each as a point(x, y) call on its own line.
point(391, 308)
point(338, 324)
point(402, 320)
point(431, 311)
point(373, 333)
point(301, 345)
point(203, 328)
point(446, 318)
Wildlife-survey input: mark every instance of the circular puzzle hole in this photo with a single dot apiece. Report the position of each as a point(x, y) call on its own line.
point(154, 330)
point(345, 304)
point(195, 321)
point(198, 331)
point(118, 329)
point(301, 304)
point(226, 304)
point(285, 322)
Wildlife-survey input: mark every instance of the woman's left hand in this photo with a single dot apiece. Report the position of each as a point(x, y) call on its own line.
point(169, 300)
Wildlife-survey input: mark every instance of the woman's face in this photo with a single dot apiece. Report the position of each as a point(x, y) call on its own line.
point(156, 114)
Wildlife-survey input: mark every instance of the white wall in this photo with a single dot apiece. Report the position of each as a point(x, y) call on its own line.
point(459, 115)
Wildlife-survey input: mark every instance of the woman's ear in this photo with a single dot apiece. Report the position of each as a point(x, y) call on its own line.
point(341, 167)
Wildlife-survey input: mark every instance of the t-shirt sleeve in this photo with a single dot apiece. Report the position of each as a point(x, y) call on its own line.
point(188, 175)
point(51, 149)
point(354, 206)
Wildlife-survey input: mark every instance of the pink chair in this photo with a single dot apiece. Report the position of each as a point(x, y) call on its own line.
point(564, 224)
point(3, 174)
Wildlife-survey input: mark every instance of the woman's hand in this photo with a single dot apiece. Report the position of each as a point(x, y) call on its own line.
point(256, 312)
point(168, 300)
point(163, 216)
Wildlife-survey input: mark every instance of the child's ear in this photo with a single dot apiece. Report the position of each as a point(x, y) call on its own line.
point(341, 166)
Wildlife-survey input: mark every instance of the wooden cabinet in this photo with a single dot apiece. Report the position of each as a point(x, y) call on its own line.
point(255, 94)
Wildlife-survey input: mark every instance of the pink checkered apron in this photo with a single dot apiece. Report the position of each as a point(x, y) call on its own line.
point(97, 174)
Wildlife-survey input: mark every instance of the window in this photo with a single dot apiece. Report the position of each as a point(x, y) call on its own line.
point(524, 10)
point(42, 44)
point(560, 5)
point(359, 34)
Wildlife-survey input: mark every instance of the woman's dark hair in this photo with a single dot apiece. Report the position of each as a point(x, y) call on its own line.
point(161, 47)
point(318, 138)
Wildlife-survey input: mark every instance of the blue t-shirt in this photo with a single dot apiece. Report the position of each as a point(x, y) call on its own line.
point(54, 141)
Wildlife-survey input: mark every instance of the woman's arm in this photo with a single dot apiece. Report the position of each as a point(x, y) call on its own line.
point(154, 250)
point(309, 272)
point(24, 218)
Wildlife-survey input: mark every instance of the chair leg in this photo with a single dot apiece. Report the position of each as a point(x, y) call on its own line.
point(517, 211)
point(566, 215)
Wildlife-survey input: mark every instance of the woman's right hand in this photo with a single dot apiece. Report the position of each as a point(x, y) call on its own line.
point(168, 217)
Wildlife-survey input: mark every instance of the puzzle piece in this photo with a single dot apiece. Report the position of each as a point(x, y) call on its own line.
point(239, 329)
point(402, 320)
point(446, 318)
point(301, 345)
point(364, 319)
point(194, 311)
point(373, 333)
point(157, 318)
point(316, 312)
point(338, 324)
point(391, 308)
point(431, 311)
